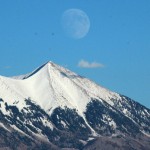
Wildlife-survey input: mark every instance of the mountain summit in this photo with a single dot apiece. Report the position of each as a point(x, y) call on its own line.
point(51, 86)
point(54, 108)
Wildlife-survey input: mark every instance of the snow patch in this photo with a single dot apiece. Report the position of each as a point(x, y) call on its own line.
point(2, 125)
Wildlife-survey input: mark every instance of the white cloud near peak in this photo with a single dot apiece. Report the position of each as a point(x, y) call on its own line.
point(85, 64)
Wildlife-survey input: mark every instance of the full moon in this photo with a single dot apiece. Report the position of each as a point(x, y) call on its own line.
point(75, 23)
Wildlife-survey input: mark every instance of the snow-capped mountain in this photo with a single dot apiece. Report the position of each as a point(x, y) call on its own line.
point(64, 110)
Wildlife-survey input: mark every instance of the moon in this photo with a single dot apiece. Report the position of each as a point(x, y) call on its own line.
point(75, 23)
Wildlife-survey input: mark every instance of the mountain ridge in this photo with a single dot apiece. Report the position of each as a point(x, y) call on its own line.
point(58, 71)
point(57, 105)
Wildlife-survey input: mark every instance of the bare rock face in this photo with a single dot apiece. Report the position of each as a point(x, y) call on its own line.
point(53, 108)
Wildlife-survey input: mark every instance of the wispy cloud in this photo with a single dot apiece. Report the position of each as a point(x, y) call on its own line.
point(85, 64)
point(7, 67)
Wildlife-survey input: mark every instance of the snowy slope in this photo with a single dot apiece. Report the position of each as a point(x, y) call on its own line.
point(51, 86)
point(58, 106)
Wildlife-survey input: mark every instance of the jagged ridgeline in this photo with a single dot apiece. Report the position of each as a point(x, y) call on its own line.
point(54, 108)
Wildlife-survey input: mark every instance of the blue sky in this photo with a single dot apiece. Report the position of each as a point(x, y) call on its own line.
point(119, 40)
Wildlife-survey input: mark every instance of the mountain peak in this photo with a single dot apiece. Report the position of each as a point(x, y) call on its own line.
point(42, 67)
point(51, 85)
point(49, 63)
point(55, 97)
